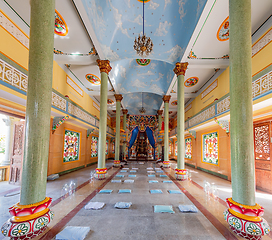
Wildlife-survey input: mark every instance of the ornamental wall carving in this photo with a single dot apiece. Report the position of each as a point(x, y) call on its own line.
point(261, 43)
point(223, 105)
point(209, 89)
point(209, 113)
point(262, 84)
point(12, 29)
point(74, 110)
point(12, 76)
point(58, 101)
point(188, 107)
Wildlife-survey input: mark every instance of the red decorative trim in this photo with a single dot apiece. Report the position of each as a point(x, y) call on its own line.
point(181, 171)
point(252, 211)
point(101, 170)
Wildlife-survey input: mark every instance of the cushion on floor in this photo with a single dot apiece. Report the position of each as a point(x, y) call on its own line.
point(163, 175)
point(123, 171)
point(154, 191)
point(153, 181)
point(141, 163)
point(120, 176)
point(132, 171)
point(152, 175)
point(116, 181)
point(174, 191)
point(73, 233)
point(159, 171)
point(123, 205)
point(131, 175)
point(105, 191)
point(124, 191)
point(163, 209)
point(188, 208)
point(167, 181)
point(135, 168)
point(151, 171)
point(125, 168)
point(149, 168)
point(94, 205)
point(129, 181)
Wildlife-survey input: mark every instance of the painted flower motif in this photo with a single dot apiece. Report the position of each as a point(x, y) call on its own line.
point(226, 214)
point(4, 228)
point(265, 226)
point(235, 222)
point(41, 222)
point(191, 82)
point(253, 229)
point(143, 62)
point(20, 230)
point(93, 79)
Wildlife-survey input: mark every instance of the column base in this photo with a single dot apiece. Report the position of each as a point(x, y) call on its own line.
point(181, 174)
point(246, 221)
point(100, 173)
point(116, 163)
point(166, 164)
point(28, 221)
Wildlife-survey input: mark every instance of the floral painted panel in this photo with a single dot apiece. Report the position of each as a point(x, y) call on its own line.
point(107, 147)
point(210, 148)
point(94, 147)
point(113, 147)
point(188, 148)
point(71, 146)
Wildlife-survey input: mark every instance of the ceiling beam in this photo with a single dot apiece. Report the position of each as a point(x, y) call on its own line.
point(208, 63)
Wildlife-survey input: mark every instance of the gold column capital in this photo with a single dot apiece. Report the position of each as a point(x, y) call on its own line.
point(104, 66)
point(118, 97)
point(125, 111)
point(180, 68)
point(166, 98)
point(159, 112)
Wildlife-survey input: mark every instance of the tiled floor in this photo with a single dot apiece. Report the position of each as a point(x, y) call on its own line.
point(140, 221)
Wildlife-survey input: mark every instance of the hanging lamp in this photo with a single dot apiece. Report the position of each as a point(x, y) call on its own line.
point(143, 45)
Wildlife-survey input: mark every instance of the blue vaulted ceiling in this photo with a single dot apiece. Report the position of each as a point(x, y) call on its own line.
point(169, 23)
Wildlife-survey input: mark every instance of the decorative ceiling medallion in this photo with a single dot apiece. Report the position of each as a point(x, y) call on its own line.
point(93, 79)
point(110, 102)
point(143, 62)
point(223, 31)
point(174, 103)
point(192, 55)
point(144, 1)
point(192, 81)
point(60, 25)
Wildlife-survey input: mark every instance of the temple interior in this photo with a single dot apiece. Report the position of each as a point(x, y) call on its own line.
point(135, 119)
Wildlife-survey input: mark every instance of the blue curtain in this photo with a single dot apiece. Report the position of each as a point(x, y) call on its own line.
point(151, 139)
point(133, 137)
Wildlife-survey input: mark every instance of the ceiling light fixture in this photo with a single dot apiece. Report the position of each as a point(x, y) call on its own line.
point(143, 45)
point(142, 110)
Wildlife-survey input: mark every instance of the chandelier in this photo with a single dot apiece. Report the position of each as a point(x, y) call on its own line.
point(142, 110)
point(143, 45)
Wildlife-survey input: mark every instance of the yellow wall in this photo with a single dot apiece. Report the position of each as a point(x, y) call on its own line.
point(222, 89)
point(59, 84)
point(262, 59)
point(224, 154)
